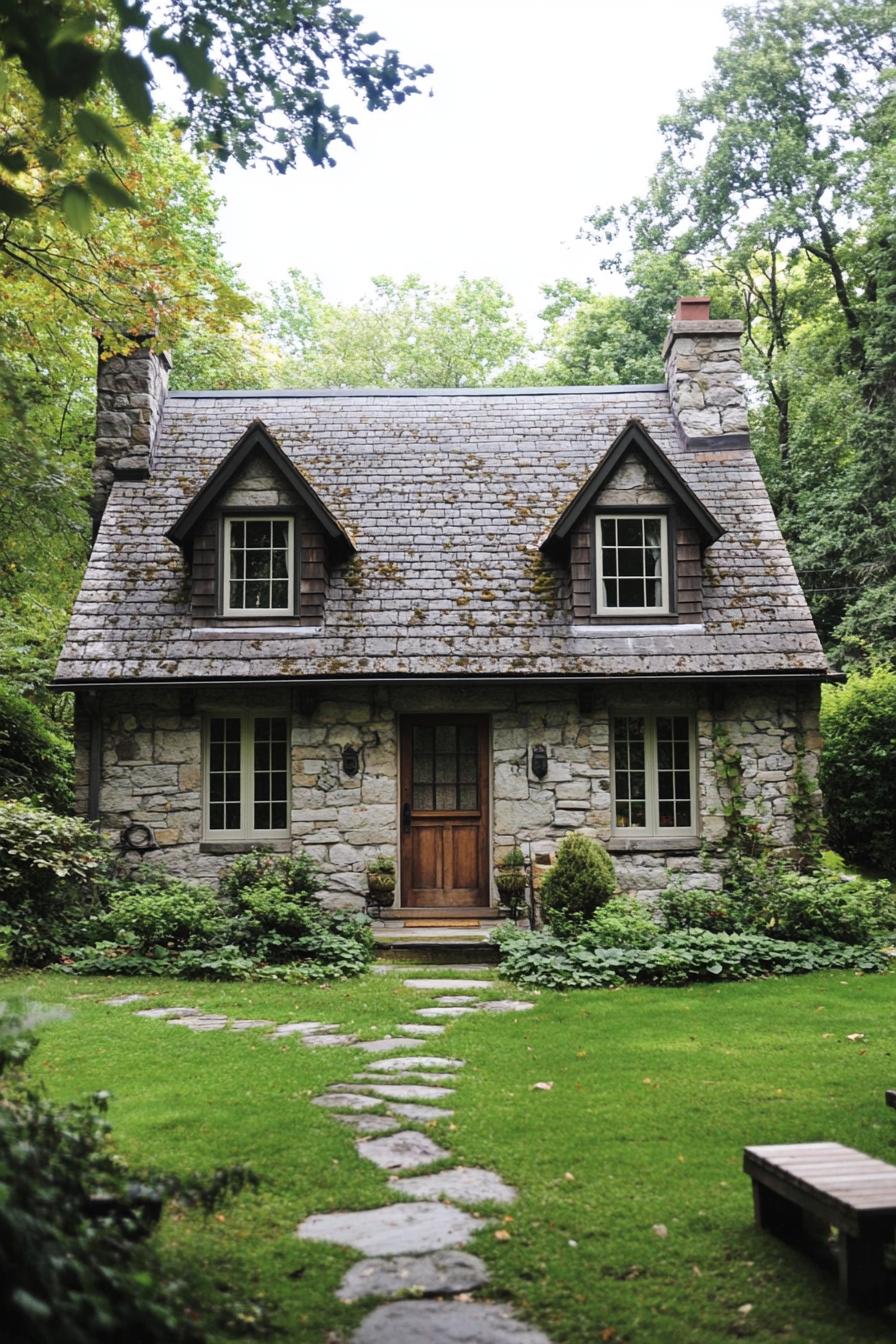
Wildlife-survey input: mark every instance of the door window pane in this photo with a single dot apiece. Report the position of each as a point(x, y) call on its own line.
point(445, 767)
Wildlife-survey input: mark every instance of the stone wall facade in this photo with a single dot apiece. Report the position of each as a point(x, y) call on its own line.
point(130, 396)
point(152, 770)
point(705, 377)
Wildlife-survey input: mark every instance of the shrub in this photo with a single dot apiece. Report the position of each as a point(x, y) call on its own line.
point(51, 871)
point(158, 911)
point(789, 905)
point(697, 908)
point(622, 922)
point(858, 766)
point(277, 918)
point(35, 761)
point(673, 959)
point(296, 877)
point(76, 1262)
point(580, 880)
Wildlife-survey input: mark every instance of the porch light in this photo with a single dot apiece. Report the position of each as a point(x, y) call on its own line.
point(350, 760)
point(539, 761)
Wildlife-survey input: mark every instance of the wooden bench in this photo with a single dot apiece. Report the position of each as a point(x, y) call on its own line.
point(802, 1190)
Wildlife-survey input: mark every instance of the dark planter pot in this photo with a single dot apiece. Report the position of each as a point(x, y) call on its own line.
point(382, 887)
point(512, 885)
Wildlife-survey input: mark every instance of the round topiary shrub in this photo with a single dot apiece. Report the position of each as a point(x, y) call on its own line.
point(580, 880)
point(858, 766)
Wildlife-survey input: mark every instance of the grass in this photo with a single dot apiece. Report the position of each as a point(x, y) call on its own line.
point(654, 1094)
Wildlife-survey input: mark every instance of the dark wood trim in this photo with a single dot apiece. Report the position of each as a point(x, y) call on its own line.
point(634, 436)
point(257, 436)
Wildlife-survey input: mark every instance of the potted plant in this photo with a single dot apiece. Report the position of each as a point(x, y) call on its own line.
point(512, 881)
point(381, 879)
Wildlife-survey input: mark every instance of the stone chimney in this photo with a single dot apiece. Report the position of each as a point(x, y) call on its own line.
point(130, 394)
point(704, 373)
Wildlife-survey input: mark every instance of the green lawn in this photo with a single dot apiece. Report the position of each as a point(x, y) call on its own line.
point(654, 1094)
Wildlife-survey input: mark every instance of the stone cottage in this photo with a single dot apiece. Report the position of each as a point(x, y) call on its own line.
point(437, 625)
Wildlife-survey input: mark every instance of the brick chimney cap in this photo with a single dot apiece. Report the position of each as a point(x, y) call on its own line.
point(692, 309)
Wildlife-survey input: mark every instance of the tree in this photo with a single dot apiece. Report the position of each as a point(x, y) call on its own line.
point(405, 333)
point(254, 78)
point(778, 181)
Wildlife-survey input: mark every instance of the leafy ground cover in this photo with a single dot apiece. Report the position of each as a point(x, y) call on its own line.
point(633, 1222)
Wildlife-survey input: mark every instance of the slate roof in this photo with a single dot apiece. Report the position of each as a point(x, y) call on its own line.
point(446, 496)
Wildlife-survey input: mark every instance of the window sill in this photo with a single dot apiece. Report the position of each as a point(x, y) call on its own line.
point(282, 846)
point(647, 844)
point(292, 631)
point(598, 625)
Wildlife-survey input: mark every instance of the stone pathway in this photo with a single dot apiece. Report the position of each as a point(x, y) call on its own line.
point(412, 1247)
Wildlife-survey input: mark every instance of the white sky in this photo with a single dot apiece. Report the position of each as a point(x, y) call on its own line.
point(541, 111)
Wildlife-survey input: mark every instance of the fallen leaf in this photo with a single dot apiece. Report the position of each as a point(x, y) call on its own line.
point(745, 1309)
point(502, 1234)
point(697, 1271)
point(572, 1243)
point(856, 1036)
point(568, 1176)
point(660, 1229)
point(463, 1297)
point(608, 1334)
point(541, 1087)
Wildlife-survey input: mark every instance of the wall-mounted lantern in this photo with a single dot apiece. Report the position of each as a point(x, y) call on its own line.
point(539, 761)
point(351, 761)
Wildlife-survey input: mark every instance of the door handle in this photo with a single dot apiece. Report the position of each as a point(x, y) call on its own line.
point(406, 818)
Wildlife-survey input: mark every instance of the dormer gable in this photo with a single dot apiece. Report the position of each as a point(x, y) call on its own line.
point(259, 540)
point(633, 537)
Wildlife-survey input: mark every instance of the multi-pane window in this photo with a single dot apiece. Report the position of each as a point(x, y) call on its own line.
point(246, 776)
point(258, 563)
point(445, 763)
point(632, 565)
point(654, 774)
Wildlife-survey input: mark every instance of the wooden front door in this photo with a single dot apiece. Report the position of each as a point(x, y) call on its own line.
point(444, 810)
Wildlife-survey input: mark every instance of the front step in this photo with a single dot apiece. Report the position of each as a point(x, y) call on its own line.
point(437, 936)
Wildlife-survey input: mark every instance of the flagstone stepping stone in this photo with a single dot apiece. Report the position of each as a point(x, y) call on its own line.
point(168, 1012)
point(406, 1077)
point(121, 999)
point(445, 1323)
point(402, 1152)
point(440, 1272)
point(302, 1029)
point(348, 1101)
point(448, 1000)
point(370, 1124)
point(506, 1006)
point(408, 1111)
point(249, 1023)
point(392, 1043)
point(420, 1028)
point(395, 1229)
point(200, 1022)
point(329, 1040)
point(449, 985)
point(408, 1091)
point(442, 1012)
point(408, 1063)
point(469, 1185)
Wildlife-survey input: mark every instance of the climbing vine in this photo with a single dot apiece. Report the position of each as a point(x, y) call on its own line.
point(808, 823)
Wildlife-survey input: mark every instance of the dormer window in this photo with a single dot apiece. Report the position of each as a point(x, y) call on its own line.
point(259, 560)
point(632, 553)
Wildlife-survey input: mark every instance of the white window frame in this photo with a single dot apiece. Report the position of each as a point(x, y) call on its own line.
point(601, 607)
point(247, 830)
point(252, 612)
point(652, 829)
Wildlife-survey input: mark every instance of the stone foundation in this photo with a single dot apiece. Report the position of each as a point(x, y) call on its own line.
point(151, 770)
